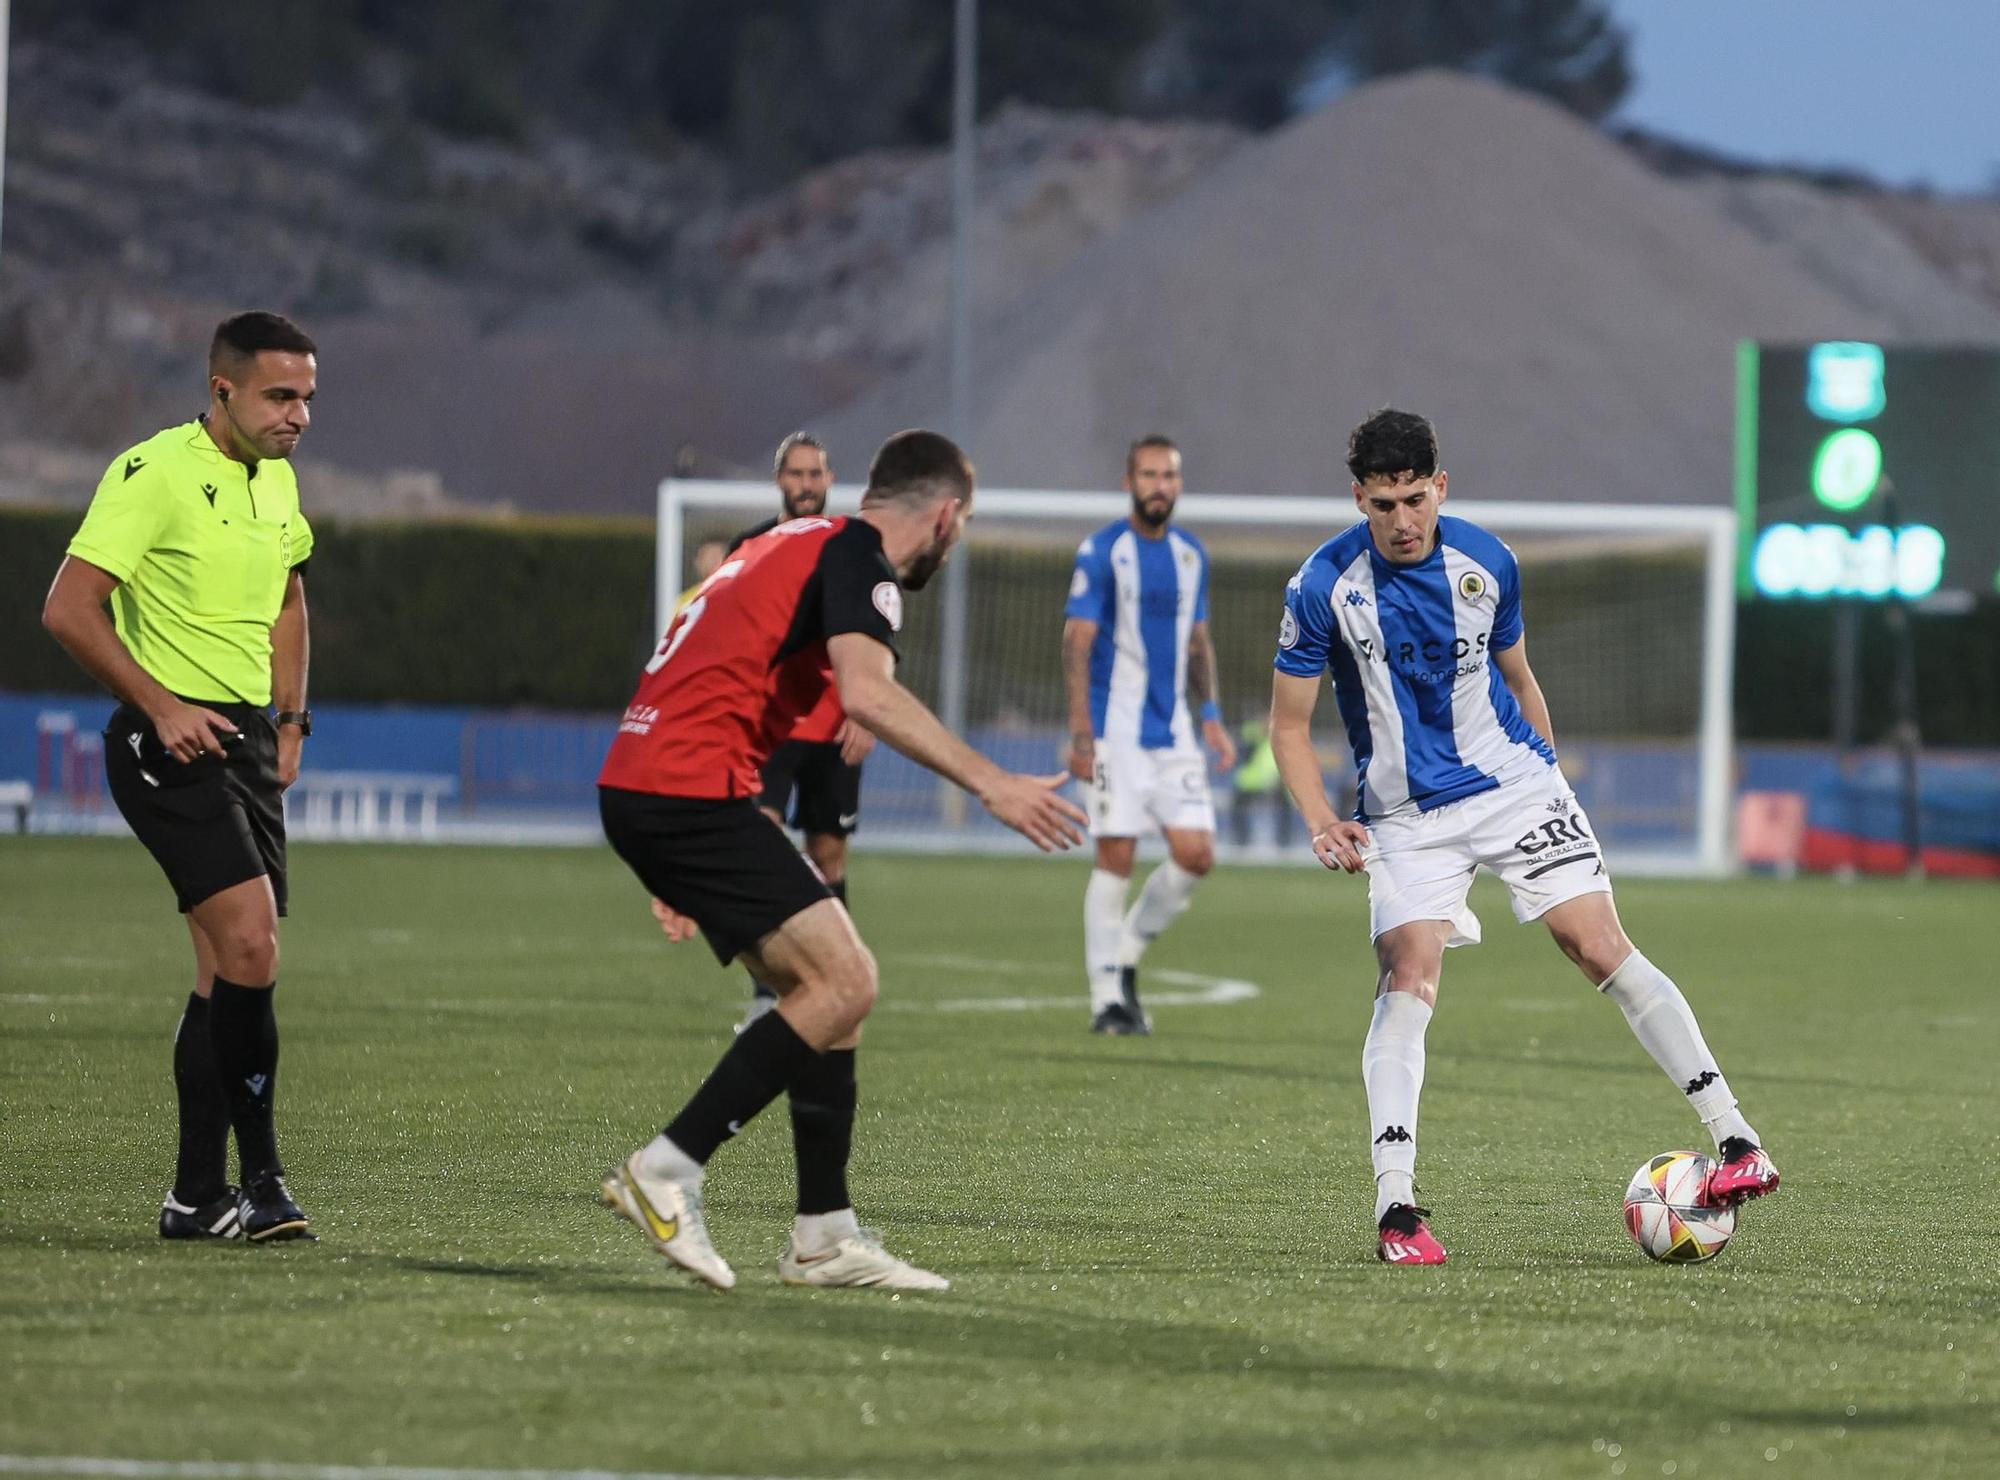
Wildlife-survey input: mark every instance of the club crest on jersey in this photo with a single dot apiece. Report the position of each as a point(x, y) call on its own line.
point(888, 599)
point(1472, 585)
point(1080, 582)
point(1288, 630)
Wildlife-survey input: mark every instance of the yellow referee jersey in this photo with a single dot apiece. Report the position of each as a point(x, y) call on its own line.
point(202, 546)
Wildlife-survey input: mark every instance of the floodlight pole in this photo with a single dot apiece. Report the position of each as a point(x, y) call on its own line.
point(5, 32)
point(954, 650)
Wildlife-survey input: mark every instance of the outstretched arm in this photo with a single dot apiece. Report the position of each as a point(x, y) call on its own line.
point(864, 671)
point(1513, 666)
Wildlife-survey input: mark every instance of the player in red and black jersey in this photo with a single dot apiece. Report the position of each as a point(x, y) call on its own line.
point(814, 602)
point(813, 778)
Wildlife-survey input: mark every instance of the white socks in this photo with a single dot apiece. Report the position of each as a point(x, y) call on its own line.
point(1392, 1067)
point(1161, 902)
point(1664, 1024)
point(1103, 918)
point(815, 1233)
point(660, 1157)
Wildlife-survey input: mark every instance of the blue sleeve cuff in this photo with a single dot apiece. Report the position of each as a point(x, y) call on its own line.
point(1212, 710)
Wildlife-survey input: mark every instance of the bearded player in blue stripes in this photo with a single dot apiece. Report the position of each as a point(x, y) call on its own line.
point(1417, 617)
point(1135, 639)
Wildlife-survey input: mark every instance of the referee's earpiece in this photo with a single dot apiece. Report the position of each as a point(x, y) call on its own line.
point(222, 393)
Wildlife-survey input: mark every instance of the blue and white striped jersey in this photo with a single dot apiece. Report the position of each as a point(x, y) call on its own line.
point(1145, 596)
point(1410, 649)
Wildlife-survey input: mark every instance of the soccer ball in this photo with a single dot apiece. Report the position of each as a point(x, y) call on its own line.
point(1664, 1214)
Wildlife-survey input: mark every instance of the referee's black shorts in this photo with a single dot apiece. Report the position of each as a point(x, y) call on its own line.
point(210, 823)
point(824, 790)
point(722, 863)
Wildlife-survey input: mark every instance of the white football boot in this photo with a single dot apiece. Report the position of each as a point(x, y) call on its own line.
point(669, 1214)
point(857, 1261)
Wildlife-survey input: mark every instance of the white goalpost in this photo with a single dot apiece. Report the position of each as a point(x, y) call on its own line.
point(1630, 613)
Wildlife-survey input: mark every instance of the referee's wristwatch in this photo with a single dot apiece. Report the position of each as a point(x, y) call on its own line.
point(303, 718)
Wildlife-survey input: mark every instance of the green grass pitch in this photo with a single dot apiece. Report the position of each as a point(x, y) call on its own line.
point(1161, 1247)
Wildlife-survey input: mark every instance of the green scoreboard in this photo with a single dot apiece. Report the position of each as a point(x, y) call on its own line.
point(1868, 471)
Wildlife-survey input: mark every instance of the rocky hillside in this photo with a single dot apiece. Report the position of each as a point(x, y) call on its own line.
point(555, 325)
point(545, 327)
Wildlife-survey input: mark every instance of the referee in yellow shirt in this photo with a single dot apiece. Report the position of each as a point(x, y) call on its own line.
point(195, 540)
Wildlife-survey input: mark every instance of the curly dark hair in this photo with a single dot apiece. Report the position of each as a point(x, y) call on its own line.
point(1392, 444)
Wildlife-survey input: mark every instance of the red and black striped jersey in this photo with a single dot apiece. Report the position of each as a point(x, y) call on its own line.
point(821, 724)
point(745, 659)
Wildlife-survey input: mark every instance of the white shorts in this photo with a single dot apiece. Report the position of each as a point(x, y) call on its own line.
point(1135, 790)
point(1531, 833)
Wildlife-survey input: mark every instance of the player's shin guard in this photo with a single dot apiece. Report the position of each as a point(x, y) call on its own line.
point(1392, 1068)
point(765, 1057)
point(1665, 1026)
point(824, 1097)
point(243, 1031)
point(1164, 899)
point(201, 1171)
point(1103, 918)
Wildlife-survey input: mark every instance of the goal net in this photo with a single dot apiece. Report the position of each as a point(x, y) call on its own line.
point(1630, 625)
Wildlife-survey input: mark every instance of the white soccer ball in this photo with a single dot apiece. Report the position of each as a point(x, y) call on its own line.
point(1664, 1213)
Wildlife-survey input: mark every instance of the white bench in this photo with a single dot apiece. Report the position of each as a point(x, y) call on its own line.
point(367, 804)
point(20, 797)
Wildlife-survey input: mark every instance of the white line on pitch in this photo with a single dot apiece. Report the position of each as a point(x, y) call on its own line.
point(1210, 991)
point(143, 1469)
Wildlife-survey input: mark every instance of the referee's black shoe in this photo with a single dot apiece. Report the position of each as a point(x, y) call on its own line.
point(218, 1218)
point(268, 1213)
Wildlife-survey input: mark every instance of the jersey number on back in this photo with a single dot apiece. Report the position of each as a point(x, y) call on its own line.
point(684, 620)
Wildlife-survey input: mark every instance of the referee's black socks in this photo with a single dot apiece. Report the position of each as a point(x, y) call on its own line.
point(244, 1030)
point(201, 1170)
point(765, 1058)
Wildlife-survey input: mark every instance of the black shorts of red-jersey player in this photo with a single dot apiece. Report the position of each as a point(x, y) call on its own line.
point(735, 671)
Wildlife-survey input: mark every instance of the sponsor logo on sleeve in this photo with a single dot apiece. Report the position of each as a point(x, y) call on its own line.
point(888, 599)
point(1288, 630)
point(1079, 584)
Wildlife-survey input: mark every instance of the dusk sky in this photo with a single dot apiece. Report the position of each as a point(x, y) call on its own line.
point(1906, 92)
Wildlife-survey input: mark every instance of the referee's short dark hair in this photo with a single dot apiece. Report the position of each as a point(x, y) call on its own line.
point(244, 336)
point(918, 466)
point(798, 439)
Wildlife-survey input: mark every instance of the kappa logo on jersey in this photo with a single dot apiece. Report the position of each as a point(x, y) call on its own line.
point(1355, 598)
point(1288, 630)
point(888, 599)
point(1472, 585)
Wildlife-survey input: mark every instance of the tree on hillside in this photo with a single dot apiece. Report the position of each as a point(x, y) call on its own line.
point(782, 85)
